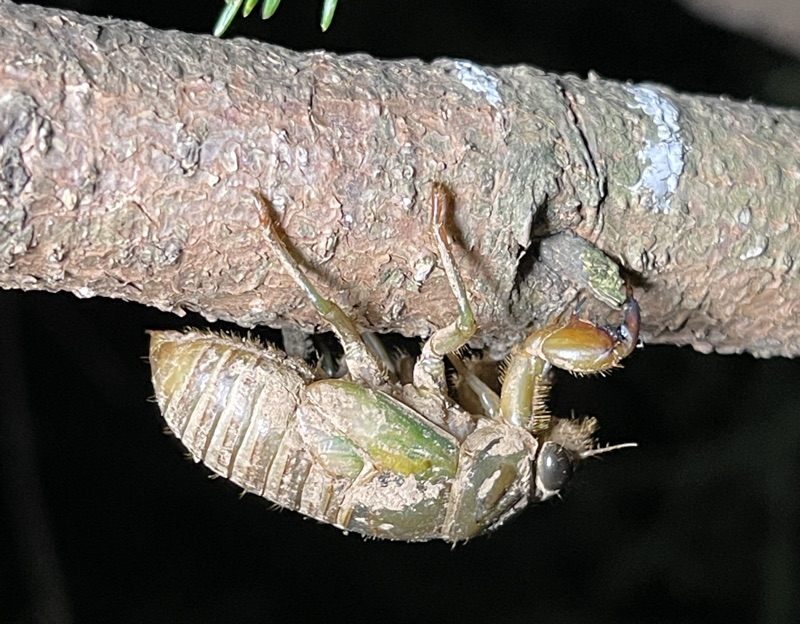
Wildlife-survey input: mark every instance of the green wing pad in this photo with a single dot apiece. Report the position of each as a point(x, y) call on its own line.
point(395, 438)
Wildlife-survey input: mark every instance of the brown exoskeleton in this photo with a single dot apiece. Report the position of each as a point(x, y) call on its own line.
point(367, 453)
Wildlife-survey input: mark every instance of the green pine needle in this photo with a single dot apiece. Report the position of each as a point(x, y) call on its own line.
point(226, 17)
point(328, 7)
point(249, 5)
point(268, 9)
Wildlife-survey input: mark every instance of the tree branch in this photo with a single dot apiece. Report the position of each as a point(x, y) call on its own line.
point(129, 158)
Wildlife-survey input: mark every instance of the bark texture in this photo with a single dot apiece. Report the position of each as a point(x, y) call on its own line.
point(129, 158)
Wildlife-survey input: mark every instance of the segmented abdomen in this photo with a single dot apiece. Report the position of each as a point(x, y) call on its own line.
point(333, 449)
point(229, 401)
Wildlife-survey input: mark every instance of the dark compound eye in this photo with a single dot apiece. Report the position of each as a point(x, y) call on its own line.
point(555, 466)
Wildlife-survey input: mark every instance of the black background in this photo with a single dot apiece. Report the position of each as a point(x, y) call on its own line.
point(102, 519)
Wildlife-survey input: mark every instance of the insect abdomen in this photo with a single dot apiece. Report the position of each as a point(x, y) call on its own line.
point(331, 449)
point(228, 401)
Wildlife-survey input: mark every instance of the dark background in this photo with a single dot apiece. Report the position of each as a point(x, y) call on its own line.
point(102, 519)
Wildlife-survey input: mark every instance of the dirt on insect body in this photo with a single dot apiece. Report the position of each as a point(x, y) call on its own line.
point(372, 454)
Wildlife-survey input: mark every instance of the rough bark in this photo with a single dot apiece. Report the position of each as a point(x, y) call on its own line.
point(129, 158)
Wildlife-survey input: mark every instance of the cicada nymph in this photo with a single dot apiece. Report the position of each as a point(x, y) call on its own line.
point(367, 453)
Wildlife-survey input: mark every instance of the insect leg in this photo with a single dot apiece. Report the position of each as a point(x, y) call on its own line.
point(375, 344)
point(332, 366)
point(582, 347)
point(490, 402)
point(526, 387)
point(429, 369)
point(360, 360)
point(576, 346)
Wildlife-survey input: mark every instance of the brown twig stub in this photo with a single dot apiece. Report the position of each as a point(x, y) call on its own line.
point(129, 158)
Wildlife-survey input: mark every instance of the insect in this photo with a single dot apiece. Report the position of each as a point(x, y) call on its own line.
point(368, 453)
